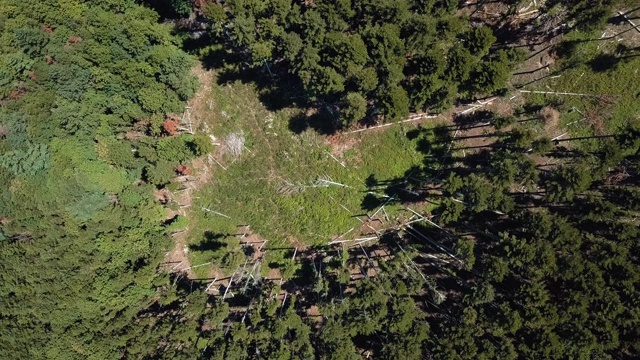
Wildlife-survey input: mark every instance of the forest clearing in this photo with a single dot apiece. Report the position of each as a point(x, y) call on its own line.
point(328, 179)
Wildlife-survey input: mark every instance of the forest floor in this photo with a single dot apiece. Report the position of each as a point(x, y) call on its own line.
point(281, 193)
point(183, 199)
point(602, 78)
point(271, 192)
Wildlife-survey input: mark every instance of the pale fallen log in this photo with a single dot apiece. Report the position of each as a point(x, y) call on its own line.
point(197, 266)
point(217, 162)
point(475, 107)
point(215, 212)
point(331, 182)
point(556, 93)
point(338, 161)
point(228, 286)
point(629, 21)
point(210, 285)
point(559, 136)
point(416, 117)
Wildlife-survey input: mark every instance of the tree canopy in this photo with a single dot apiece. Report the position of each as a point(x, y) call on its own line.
point(393, 56)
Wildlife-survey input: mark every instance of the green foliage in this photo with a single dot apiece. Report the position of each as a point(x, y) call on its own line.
point(334, 345)
point(490, 76)
point(460, 63)
point(384, 51)
point(179, 148)
point(451, 210)
point(82, 235)
point(567, 182)
point(452, 184)
point(480, 40)
point(182, 7)
point(32, 41)
point(542, 145)
point(161, 173)
point(395, 103)
point(355, 108)
point(287, 207)
point(29, 161)
point(464, 248)
point(115, 152)
point(501, 122)
point(201, 144)
point(482, 294)
point(214, 12)
point(82, 238)
point(477, 193)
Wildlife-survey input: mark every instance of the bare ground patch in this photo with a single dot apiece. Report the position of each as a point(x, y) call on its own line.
point(341, 143)
point(178, 258)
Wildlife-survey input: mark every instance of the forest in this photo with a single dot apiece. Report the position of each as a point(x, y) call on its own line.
point(328, 179)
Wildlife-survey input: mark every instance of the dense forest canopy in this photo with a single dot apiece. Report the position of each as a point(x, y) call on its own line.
point(376, 56)
point(523, 247)
point(85, 89)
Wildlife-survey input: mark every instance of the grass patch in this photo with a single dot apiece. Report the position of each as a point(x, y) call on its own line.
point(606, 68)
point(280, 184)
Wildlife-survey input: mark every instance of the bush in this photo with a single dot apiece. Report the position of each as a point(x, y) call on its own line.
point(160, 174)
point(355, 108)
point(201, 144)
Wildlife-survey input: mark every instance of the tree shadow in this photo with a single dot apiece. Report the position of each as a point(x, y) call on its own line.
point(603, 62)
point(370, 202)
point(619, 19)
point(471, 119)
point(415, 133)
point(305, 271)
point(321, 120)
point(211, 242)
point(164, 8)
point(277, 87)
point(403, 189)
point(371, 181)
point(472, 160)
point(430, 143)
point(193, 43)
point(216, 57)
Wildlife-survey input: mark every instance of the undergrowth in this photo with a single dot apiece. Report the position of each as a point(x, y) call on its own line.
point(604, 68)
point(280, 184)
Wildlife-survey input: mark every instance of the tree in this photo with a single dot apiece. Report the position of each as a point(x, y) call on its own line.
point(542, 145)
point(480, 40)
point(366, 79)
point(567, 182)
point(395, 102)
point(501, 122)
point(32, 41)
point(84, 72)
point(214, 12)
point(460, 63)
point(477, 192)
point(29, 161)
point(451, 210)
point(325, 80)
point(170, 127)
point(291, 46)
point(464, 248)
point(355, 108)
point(201, 144)
point(334, 345)
point(387, 51)
point(489, 76)
point(482, 294)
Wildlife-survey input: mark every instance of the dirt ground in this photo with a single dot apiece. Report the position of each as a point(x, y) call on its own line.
point(178, 256)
